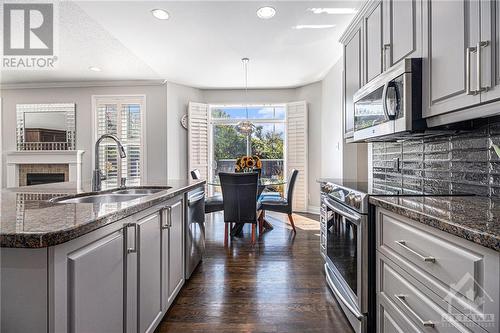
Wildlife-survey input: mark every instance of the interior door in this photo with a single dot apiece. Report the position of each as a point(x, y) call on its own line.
point(453, 30)
point(149, 304)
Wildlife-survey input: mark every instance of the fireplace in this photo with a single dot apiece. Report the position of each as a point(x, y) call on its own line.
point(35, 174)
point(44, 178)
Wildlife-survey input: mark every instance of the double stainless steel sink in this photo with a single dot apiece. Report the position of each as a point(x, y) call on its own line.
point(118, 195)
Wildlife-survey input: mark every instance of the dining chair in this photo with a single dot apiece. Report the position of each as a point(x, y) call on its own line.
point(213, 203)
point(279, 204)
point(240, 200)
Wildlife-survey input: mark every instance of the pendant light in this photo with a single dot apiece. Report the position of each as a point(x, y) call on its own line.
point(246, 127)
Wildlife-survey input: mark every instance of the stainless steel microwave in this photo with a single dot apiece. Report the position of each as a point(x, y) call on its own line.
point(390, 106)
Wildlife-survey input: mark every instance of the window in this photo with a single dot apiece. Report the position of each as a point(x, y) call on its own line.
point(214, 144)
point(121, 116)
point(267, 140)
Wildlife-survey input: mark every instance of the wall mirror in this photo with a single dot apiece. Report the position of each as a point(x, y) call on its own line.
point(46, 126)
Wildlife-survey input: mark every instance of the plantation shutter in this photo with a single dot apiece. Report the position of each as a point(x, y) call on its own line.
point(198, 138)
point(122, 117)
point(296, 151)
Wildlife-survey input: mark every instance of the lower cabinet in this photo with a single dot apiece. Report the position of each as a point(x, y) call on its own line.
point(96, 287)
point(149, 272)
point(431, 281)
point(120, 278)
point(173, 250)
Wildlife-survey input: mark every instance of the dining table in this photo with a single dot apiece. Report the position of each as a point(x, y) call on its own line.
point(262, 184)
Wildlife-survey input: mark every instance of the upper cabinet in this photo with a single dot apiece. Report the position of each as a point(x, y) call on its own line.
point(373, 41)
point(451, 67)
point(402, 26)
point(382, 34)
point(458, 41)
point(352, 76)
point(490, 50)
point(462, 68)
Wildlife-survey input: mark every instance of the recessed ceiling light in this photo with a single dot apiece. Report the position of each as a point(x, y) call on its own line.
point(94, 69)
point(333, 10)
point(266, 12)
point(160, 14)
point(314, 26)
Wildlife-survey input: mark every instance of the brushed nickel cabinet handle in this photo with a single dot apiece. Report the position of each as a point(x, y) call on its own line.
point(402, 243)
point(468, 51)
point(131, 249)
point(402, 299)
point(479, 46)
point(169, 218)
point(384, 55)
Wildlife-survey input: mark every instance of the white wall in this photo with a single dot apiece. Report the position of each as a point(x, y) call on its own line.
point(255, 96)
point(156, 120)
point(331, 124)
point(178, 97)
point(339, 159)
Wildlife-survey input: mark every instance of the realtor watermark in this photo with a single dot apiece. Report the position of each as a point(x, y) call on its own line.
point(29, 36)
point(478, 300)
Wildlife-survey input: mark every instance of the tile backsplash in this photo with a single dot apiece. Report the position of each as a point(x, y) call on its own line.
point(459, 163)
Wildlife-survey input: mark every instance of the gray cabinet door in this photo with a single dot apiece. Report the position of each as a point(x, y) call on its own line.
point(96, 286)
point(490, 52)
point(176, 251)
point(453, 27)
point(402, 26)
point(149, 273)
point(352, 79)
point(373, 40)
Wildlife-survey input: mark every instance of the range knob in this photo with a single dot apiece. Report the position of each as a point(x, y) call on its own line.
point(357, 201)
point(350, 198)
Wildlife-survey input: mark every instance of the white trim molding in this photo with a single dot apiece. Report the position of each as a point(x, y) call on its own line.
point(73, 158)
point(313, 209)
point(82, 84)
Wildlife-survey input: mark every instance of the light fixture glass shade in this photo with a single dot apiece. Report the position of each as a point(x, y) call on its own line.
point(245, 127)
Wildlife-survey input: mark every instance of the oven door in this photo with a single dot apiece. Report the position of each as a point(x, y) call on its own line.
point(347, 258)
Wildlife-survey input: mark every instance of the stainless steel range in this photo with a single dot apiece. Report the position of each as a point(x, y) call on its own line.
point(348, 246)
point(345, 245)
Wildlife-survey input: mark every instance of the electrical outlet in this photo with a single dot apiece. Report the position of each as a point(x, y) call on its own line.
point(395, 164)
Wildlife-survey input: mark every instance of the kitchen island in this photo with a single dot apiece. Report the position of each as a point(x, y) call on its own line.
point(109, 266)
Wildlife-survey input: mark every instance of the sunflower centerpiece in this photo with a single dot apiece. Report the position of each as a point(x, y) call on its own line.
point(248, 164)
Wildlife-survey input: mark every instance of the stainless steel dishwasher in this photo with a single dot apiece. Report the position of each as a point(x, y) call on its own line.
point(195, 229)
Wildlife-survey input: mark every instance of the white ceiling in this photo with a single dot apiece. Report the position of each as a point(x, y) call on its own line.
point(200, 45)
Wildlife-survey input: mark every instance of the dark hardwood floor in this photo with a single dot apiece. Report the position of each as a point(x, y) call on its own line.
point(278, 285)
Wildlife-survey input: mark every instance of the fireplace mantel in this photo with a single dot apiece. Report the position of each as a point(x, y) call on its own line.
point(73, 158)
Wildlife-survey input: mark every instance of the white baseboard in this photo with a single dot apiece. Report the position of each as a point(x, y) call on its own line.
point(313, 209)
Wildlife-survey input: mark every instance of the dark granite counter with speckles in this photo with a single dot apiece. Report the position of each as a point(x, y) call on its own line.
point(29, 219)
point(473, 218)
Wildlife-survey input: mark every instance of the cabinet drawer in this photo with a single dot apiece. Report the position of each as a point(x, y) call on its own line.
point(414, 303)
point(444, 260)
point(392, 320)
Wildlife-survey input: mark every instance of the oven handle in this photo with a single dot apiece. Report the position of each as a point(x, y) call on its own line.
point(340, 297)
point(351, 217)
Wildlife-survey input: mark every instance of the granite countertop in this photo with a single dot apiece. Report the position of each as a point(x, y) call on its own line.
point(29, 220)
point(473, 218)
